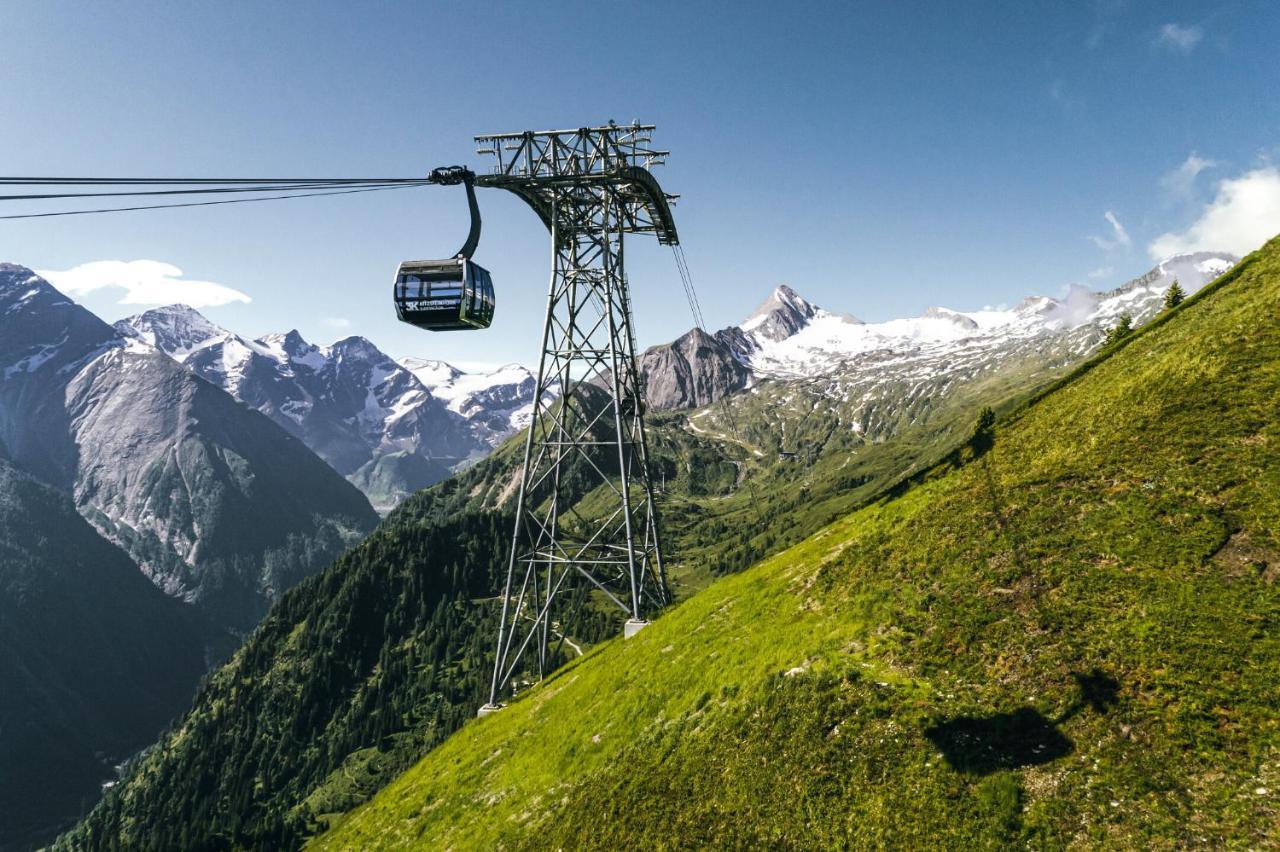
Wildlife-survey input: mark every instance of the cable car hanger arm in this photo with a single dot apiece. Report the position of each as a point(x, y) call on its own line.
point(450, 176)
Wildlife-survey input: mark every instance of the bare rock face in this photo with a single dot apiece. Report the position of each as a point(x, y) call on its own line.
point(694, 370)
point(218, 505)
point(700, 368)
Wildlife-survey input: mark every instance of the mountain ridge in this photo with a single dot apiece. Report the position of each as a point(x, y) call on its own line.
point(215, 503)
point(387, 429)
point(870, 381)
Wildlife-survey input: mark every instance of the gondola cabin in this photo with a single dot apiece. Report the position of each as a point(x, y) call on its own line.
point(444, 295)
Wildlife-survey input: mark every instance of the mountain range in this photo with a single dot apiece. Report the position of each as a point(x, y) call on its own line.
point(390, 428)
point(884, 374)
point(215, 503)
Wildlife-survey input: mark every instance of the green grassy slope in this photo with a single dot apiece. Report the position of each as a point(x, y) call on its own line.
point(1071, 639)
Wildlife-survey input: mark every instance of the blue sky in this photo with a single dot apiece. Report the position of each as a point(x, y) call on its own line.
point(878, 157)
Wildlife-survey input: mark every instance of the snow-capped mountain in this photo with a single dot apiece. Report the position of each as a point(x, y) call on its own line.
point(367, 416)
point(497, 403)
point(882, 376)
point(218, 506)
point(789, 337)
point(390, 428)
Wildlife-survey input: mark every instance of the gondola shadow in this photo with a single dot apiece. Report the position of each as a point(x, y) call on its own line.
point(980, 745)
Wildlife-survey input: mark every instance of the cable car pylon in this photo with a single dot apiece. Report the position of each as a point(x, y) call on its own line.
point(591, 187)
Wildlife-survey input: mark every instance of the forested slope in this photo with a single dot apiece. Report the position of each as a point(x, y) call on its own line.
point(1068, 636)
point(94, 659)
point(353, 675)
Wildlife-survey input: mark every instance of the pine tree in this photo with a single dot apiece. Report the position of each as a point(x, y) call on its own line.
point(983, 431)
point(1174, 295)
point(1122, 329)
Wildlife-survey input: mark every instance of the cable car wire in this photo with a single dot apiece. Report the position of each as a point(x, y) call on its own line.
point(376, 188)
point(86, 181)
point(211, 191)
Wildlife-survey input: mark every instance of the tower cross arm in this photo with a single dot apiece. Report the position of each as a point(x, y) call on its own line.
point(539, 166)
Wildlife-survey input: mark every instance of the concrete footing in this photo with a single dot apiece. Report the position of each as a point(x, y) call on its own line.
point(489, 708)
point(632, 627)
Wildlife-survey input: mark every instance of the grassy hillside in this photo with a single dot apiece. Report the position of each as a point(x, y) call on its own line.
point(1070, 638)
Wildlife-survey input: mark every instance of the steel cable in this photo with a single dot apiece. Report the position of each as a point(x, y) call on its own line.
point(375, 188)
point(695, 307)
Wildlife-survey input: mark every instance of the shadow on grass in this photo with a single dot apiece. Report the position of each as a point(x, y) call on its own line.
point(980, 745)
point(1098, 690)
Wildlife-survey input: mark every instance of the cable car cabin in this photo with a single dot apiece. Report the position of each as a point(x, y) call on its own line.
point(444, 295)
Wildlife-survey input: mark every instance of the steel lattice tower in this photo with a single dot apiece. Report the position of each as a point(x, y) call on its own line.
point(590, 187)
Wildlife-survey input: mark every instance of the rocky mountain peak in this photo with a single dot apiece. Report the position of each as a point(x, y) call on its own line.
point(294, 343)
point(14, 277)
point(293, 348)
point(356, 347)
point(430, 371)
point(175, 329)
point(781, 315)
point(21, 286)
point(42, 332)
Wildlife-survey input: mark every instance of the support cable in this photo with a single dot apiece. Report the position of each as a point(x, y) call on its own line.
point(695, 307)
point(117, 181)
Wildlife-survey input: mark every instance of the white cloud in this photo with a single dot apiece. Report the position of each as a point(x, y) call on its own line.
point(1243, 215)
point(1181, 180)
point(1102, 272)
point(1119, 236)
point(1179, 37)
point(145, 282)
point(337, 322)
